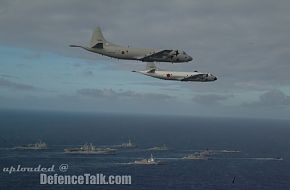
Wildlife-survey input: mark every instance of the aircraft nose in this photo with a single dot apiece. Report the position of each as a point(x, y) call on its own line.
point(214, 78)
point(189, 58)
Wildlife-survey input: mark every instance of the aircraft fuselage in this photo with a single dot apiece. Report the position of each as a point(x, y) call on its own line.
point(180, 76)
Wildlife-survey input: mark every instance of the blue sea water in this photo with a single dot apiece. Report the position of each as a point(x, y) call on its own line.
point(256, 166)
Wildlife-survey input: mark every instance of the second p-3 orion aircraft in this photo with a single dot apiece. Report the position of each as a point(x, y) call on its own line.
point(101, 46)
point(153, 71)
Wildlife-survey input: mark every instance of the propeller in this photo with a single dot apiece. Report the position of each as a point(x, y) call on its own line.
point(176, 53)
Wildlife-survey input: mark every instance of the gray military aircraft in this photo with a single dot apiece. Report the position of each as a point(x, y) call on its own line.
point(101, 46)
point(153, 71)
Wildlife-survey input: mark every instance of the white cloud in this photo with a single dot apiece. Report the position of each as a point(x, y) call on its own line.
point(121, 94)
point(271, 98)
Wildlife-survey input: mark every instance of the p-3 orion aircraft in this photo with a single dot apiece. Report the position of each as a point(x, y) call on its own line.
point(153, 71)
point(101, 46)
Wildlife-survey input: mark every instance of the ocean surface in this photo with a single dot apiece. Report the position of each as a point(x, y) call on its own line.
point(261, 160)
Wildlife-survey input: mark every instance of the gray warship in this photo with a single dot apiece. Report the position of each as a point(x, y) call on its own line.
point(129, 144)
point(89, 149)
point(149, 161)
point(36, 146)
point(204, 155)
point(158, 148)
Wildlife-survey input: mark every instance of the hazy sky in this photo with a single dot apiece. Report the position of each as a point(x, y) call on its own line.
point(245, 43)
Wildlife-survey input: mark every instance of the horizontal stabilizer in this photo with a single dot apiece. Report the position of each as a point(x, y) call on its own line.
point(151, 71)
point(75, 46)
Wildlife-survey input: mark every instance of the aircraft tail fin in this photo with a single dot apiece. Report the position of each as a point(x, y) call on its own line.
point(97, 40)
point(150, 66)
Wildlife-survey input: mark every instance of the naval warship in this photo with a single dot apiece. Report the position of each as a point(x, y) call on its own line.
point(37, 146)
point(89, 149)
point(158, 148)
point(149, 161)
point(129, 144)
point(204, 155)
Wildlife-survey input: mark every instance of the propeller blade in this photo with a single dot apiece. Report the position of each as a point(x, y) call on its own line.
point(176, 52)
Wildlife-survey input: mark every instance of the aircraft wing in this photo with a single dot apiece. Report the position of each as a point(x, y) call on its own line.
point(196, 77)
point(158, 55)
